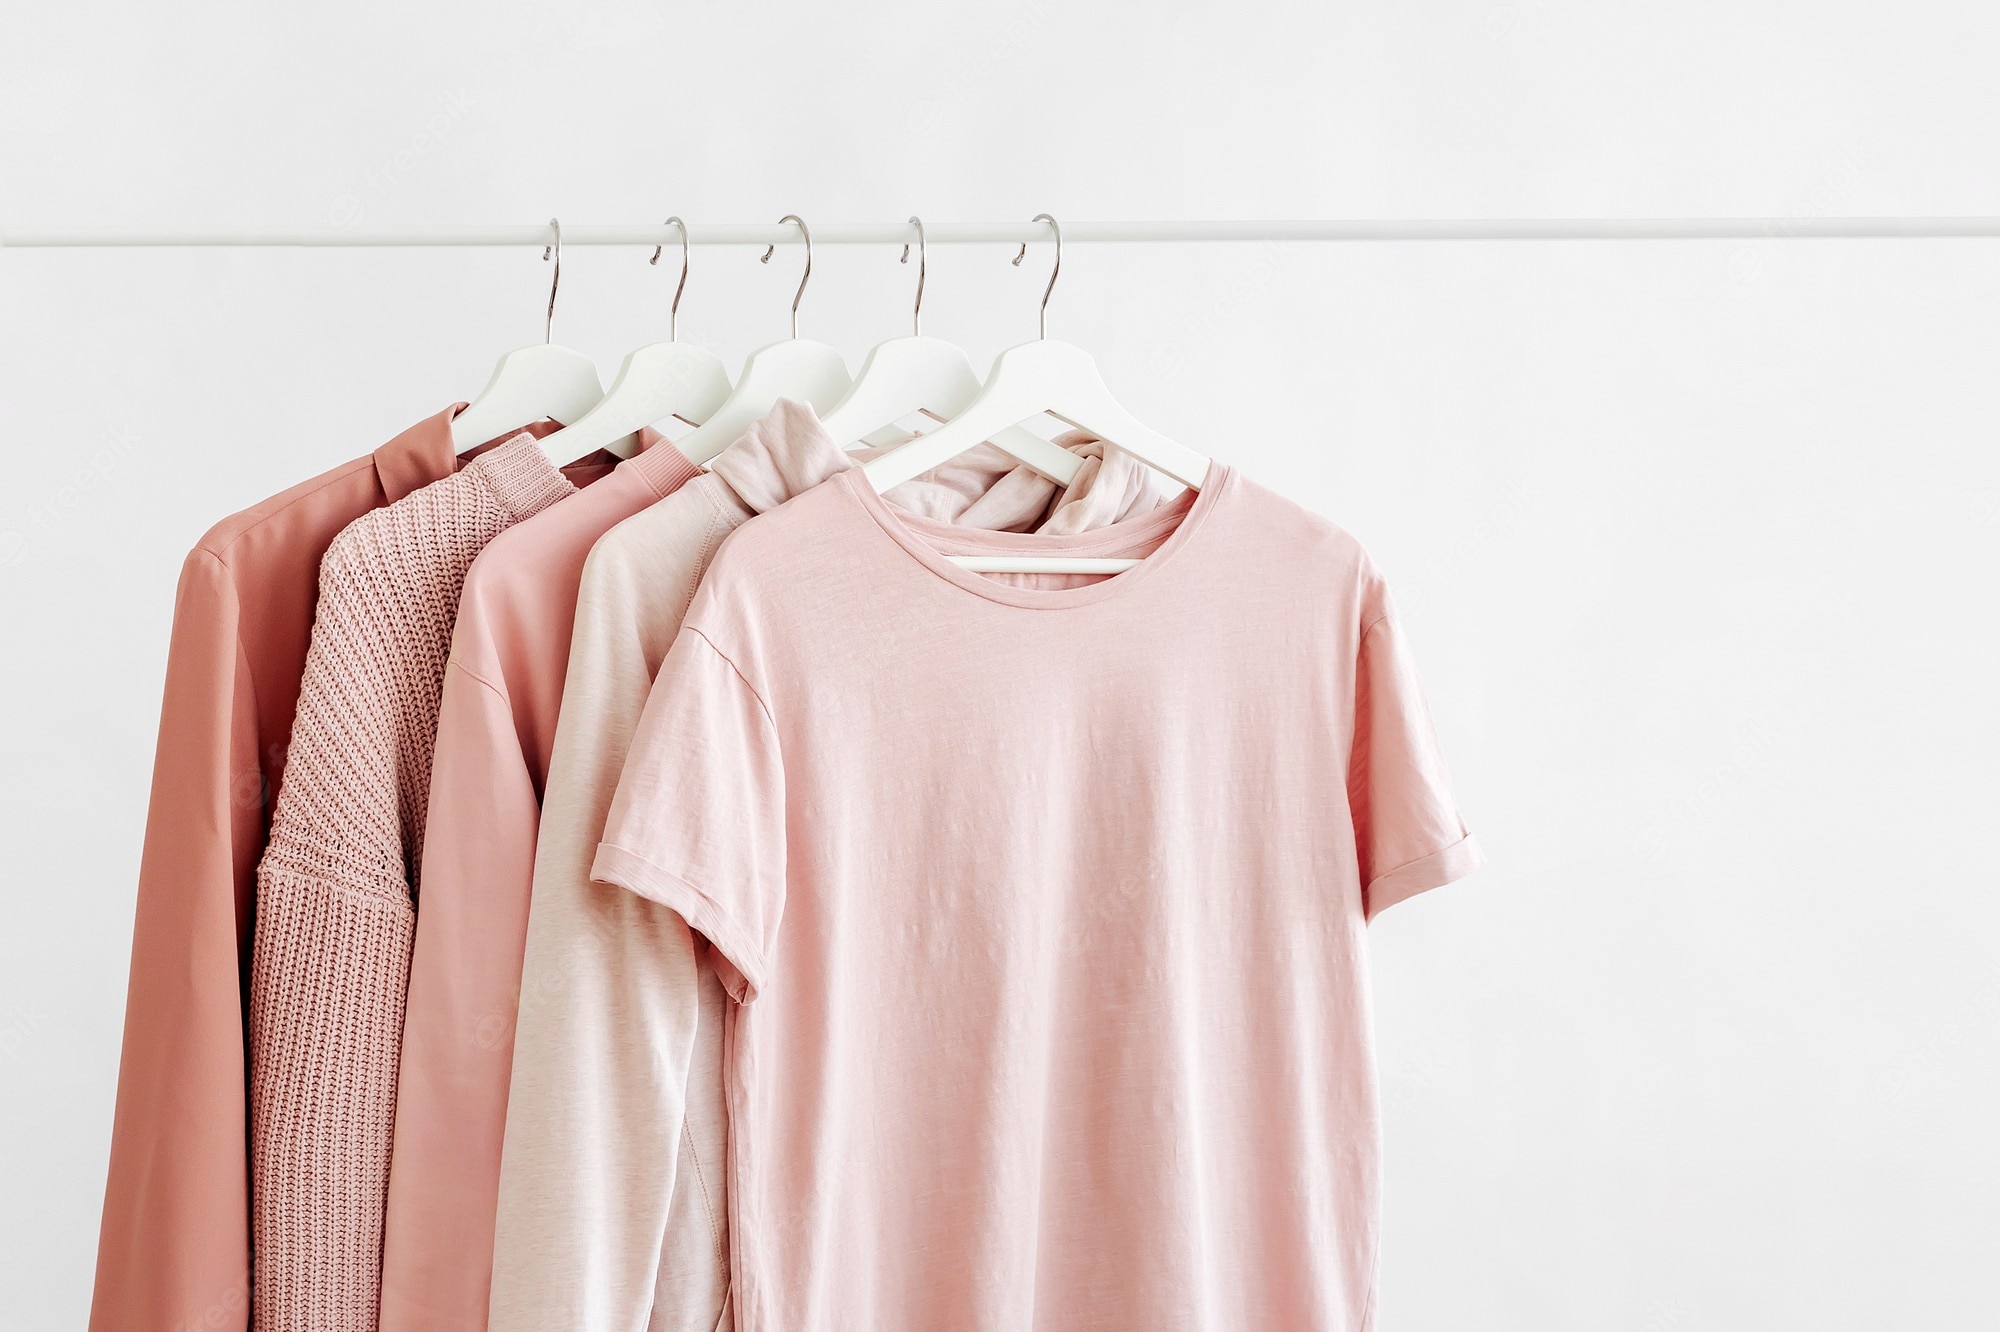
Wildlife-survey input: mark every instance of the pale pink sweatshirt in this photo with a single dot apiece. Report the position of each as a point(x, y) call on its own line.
point(337, 886)
point(503, 689)
point(612, 1210)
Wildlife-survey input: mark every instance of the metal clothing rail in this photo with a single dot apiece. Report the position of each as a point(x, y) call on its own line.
point(897, 233)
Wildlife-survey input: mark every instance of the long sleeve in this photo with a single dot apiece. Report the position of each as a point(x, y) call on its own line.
point(337, 889)
point(612, 1210)
point(174, 1246)
point(458, 1037)
point(496, 730)
point(330, 960)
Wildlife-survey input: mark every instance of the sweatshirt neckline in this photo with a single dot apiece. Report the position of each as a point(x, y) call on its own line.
point(930, 543)
point(783, 453)
point(662, 467)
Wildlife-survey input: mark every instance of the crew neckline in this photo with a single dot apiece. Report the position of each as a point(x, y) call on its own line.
point(930, 542)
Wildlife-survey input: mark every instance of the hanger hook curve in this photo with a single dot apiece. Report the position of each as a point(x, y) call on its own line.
point(923, 268)
point(804, 277)
point(1053, 272)
point(555, 281)
point(674, 315)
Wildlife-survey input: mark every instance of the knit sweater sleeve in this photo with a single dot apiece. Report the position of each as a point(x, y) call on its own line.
point(337, 890)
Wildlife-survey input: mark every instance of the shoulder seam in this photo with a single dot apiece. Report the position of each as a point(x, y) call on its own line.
point(326, 479)
point(718, 521)
point(452, 663)
point(730, 662)
point(223, 575)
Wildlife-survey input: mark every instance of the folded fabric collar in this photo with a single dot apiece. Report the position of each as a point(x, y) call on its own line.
point(788, 451)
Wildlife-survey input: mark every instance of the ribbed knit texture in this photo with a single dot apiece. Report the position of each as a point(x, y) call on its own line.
point(337, 888)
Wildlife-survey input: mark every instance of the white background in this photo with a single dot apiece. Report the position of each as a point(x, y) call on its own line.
point(1698, 540)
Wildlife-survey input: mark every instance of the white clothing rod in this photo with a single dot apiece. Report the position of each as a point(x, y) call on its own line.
point(897, 233)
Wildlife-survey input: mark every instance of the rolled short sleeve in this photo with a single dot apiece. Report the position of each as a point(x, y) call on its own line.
point(1407, 832)
point(698, 823)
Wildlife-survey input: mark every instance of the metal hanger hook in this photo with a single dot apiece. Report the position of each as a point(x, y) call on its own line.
point(674, 316)
point(923, 269)
point(804, 277)
point(1053, 272)
point(555, 249)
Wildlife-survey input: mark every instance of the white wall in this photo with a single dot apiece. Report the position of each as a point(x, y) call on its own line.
point(1699, 540)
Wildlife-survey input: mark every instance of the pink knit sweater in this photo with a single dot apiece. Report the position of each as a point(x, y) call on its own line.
point(336, 892)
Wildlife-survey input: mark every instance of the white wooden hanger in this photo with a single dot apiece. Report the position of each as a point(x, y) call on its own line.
point(664, 379)
point(543, 382)
point(904, 376)
point(1061, 379)
point(804, 371)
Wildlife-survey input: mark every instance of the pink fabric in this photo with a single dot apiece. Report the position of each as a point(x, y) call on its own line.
point(1043, 898)
point(497, 716)
point(337, 886)
point(174, 1247)
point(612, 1209)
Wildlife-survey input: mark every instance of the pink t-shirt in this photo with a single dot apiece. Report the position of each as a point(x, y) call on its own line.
point(1044, 900)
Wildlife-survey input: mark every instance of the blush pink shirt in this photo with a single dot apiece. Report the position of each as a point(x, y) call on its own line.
point(503, 687)
point(1043, 899)
point(174, 1247)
